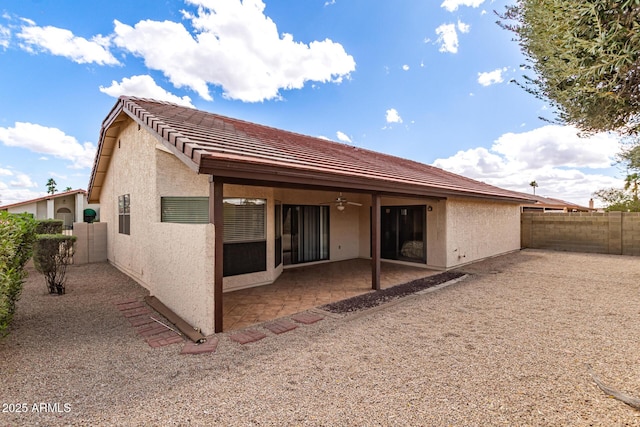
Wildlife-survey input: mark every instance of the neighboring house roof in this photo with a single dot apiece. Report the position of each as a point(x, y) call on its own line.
point(554, 204)
point(43, 198)
point(242, 152)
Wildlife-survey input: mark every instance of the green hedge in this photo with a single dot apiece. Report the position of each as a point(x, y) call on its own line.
point(17, 233)
point(49, 226)
point(51, 255)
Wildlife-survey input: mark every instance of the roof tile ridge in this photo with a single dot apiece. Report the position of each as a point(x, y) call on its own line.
point(158, 125)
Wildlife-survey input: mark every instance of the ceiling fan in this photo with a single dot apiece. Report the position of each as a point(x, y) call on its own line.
point(341, 202)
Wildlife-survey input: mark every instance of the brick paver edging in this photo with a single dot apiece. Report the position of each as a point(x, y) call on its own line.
point(141, 317)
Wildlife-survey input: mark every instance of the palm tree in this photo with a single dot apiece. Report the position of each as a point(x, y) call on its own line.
point(632, 182)
point(51, 186)
point(533, 185)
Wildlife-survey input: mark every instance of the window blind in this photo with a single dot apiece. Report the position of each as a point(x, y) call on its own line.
point(244, 220)
point(185, 210)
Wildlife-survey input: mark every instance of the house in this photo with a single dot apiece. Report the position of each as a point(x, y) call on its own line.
point(198, 204)
point(69, 206)
point(547, 204)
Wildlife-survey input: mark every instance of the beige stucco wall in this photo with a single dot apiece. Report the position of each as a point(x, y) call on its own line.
point(180, 266)
point(167, 259)
point(478, 229)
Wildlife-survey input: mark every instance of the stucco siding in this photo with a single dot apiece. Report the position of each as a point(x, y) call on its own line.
point(176, 179)
point(132, 171)
point(181, 270)
point(173, 261)
point(30, 208)
point(480, 229)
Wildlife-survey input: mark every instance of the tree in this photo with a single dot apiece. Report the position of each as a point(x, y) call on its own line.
point(68, 189)
point(631, 183)
point(533, 185)
point(585, 58)
point(631, 157)
point(51, 186)
point(616, 199)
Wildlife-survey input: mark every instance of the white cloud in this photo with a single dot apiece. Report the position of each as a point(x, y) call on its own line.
point(51, 141)
point(393, 116)
point(564, 165)
point(448, 36)
point(463, 28)
point(23, 181)
point(453, 5)
point(144, 86)
point(405, 67)
point(558, 146)
point(5, 36)
point(491, 77)
point(5, 172)
point(234, 46)
point(61, 42)
point(343, 137)
point(10, 196)
point(329, 2)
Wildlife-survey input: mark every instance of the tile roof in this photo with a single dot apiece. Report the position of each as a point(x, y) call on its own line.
point(43, 198)
point(549, 202)
point(232, 148)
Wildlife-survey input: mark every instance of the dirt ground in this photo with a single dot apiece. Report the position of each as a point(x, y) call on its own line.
point(508, 345)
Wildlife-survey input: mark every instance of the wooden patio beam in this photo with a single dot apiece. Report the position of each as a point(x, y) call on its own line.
point(375, 241)
point(216, 217)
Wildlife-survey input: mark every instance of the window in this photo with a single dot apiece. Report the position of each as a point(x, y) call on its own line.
point(124, 214)
point(245, 236)
point(185, 210)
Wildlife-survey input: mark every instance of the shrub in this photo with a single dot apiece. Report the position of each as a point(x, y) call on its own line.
point(51, 255)
point(17, 233)
point(49, 226)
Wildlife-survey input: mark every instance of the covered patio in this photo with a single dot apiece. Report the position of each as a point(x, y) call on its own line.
point(303, 288)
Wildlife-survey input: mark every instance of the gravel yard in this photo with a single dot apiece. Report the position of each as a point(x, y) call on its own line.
point(508, 345)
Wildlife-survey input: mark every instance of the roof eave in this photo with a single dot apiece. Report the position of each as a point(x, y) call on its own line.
point(266, 175)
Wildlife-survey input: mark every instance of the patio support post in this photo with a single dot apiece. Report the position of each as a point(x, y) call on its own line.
point(375, 241)
point(216, 217)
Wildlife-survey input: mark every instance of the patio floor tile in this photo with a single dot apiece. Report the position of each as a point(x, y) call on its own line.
point(302, 288)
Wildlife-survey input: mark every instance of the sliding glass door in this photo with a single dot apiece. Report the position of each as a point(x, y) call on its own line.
point(305, 233)
point(403, 233)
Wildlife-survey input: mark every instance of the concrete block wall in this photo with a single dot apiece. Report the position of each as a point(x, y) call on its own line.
point(609, 233)
point(91, 243)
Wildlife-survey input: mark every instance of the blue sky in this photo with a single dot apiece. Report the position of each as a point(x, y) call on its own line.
point(421, 79)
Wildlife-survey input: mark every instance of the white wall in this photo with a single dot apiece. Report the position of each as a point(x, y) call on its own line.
point(480, 229)
point(31, 208)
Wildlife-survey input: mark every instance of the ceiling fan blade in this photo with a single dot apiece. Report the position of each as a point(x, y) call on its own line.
point(354, 203)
